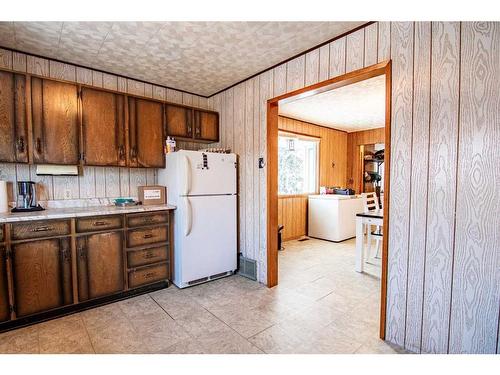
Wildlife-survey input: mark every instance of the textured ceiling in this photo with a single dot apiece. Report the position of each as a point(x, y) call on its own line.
point(200, 57)
point(355, 107)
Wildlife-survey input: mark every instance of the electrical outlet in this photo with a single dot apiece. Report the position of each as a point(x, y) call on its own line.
point(67, 194)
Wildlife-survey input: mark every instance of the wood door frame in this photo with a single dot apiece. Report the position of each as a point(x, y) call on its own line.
point(272, 167)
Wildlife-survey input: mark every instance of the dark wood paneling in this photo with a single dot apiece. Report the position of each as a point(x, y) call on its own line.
point(100, 265)
point(13, 125)
point(103, 123)
point(55, 122)
point(42, 275)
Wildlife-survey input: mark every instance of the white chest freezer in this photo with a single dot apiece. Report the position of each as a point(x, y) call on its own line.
point(333, 217)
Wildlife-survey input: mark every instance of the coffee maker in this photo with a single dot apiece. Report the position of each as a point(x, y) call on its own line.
point(26, 197)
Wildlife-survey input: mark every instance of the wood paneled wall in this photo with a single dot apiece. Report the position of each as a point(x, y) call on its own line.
point(96, 182)
point(292, 210)
point(332, 149)
point(354, 167)
point(292, 214)
point(443, 278)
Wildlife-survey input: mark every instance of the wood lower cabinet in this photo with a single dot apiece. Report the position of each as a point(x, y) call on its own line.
point(13, 125)
point(100, 265)
point(103, 128)
point(42, 275)
point(54, 108)
point(146, 133)
point(4, 290)
point(206, 126)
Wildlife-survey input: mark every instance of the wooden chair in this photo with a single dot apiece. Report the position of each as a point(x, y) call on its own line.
point(370, 203)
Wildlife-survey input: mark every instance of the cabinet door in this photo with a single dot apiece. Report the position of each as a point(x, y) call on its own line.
point(206, 126)
point(146, 133)
point(178, 121)
point(100, 265)
point(13, 130)
point(4, 291)
point(55, 122)
point(42, 275)
point(103, 123)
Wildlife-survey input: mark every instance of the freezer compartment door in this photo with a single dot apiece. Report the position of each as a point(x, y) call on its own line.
point(207, 173)
point(208, 237)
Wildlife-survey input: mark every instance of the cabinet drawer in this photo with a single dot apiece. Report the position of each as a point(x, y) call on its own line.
point(148, 275)
point(39, 229)
point(146, 236)
point(144, 257)
point(93, 224)
point(147, 219)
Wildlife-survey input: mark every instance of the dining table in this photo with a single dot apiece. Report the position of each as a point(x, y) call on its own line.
point(367, 218)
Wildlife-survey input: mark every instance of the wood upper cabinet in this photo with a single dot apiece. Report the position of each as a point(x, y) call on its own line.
point(103, 128)
point(4, 290)
point(13, 125)
point(100, 265)
point(146, 133)
point(206, 126)
point(42, 275)
point(179, 121)
point(55, 122)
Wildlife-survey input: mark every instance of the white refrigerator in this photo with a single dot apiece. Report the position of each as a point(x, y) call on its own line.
point(203, 187)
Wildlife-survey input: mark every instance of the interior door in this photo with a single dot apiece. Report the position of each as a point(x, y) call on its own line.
point(100, 265)
point(208, 239)
point(207, 173)
point(42, 275)
point(103, 123)
point(13, 125)
point(55, 122)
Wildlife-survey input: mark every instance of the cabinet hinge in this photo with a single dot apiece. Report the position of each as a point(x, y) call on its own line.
point(12, 308)
point(82, 156)
point(8, 254)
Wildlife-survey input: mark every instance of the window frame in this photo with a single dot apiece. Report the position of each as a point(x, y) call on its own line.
point(306, 137)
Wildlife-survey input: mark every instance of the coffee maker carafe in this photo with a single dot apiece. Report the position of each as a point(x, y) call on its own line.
point(26, 197)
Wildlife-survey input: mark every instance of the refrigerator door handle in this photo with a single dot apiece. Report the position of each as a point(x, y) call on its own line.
point(189, 218)
point(187, 175)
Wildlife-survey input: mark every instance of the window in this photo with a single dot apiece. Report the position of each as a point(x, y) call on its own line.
point(297, 164)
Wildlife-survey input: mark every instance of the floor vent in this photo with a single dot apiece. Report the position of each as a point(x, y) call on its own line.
point(202, 280)
point(248, 268)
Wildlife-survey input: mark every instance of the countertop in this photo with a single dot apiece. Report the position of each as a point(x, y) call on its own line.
point(67, 212)
point(334, 196)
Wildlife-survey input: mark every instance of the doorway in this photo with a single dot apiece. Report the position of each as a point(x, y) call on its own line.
point(273, 134)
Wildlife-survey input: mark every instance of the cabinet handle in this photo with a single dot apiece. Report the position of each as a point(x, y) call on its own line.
point(149, 255)
point(38, 145)
point(148, 235)
point(81, 252)
point(149, 275)
point(42, 229)
point(99, 223)
point(133, 152)
point(65, 255)
point(20, 144)
point(121, 152)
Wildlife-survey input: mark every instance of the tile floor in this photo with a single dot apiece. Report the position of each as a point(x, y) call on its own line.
point(320, 306)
